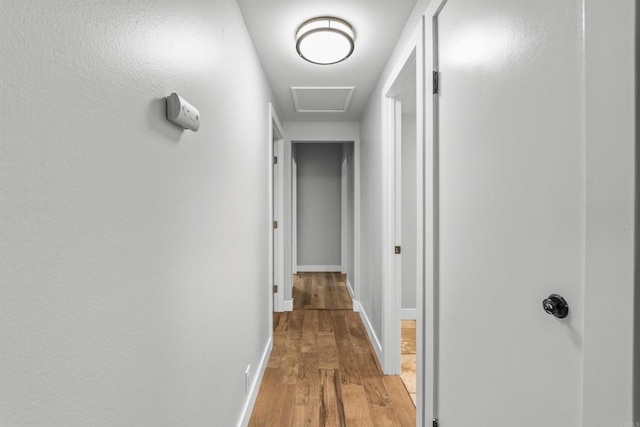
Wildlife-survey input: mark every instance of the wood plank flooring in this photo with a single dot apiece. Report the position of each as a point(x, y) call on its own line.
point(321, 291)
point(323, 372)
point(408, 346)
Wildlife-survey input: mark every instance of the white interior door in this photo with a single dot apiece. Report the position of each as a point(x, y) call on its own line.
point(511, 171)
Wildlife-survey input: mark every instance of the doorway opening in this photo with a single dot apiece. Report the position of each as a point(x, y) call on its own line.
point(403, 221)
point(323, 211)
point(402, 100)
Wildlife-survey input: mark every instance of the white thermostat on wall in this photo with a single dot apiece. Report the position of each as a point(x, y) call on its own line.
point(181, 113)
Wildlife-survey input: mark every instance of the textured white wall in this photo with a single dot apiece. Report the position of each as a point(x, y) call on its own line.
point(319, 203)
point(134, 273)
point(371, 218)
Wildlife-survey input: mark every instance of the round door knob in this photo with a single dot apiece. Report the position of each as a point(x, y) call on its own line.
point(556, 305)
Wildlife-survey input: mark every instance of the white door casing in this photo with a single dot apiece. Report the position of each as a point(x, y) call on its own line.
point(276, 199)
point(294, 216)
point(343, 211)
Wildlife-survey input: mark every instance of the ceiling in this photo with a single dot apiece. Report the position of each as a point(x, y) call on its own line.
point(272, 25)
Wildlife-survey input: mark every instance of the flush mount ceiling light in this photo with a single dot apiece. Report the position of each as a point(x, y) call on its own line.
point(325, 40)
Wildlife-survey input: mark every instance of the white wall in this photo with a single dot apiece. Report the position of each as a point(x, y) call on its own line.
point(409, 211)
point(319, 204)
point(371, 183)
point(126, 249)
point(371, 220)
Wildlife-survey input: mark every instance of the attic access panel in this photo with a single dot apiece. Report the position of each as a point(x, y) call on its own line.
point(322, 99)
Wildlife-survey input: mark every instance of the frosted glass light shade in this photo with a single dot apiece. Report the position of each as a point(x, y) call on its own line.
point(325, 40)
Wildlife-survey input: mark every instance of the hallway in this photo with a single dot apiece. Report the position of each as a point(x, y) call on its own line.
point(139, 257)
point(322, 370)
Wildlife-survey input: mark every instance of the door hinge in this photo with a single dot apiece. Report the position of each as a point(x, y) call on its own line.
point(275, 224)
point(275, 289)
point(436, 82)
point(275, 160)
point(398, 249)
point(435, 422)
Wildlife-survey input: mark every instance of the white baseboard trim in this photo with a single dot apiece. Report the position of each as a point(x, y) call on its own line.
point(356, 303)
point(406, 313)
point(377, 346)
point(319, 268)
point(350, 289)
point(288, 305)
point(247, 409)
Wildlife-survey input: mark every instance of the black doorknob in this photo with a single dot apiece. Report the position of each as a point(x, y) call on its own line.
point(556, 305)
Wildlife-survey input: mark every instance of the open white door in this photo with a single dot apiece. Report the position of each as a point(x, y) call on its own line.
point(510, 212)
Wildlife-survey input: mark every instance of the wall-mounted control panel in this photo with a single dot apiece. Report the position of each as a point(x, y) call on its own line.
point(181, 113)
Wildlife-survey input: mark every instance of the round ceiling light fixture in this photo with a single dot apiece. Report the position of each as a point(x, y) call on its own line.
point(325, 40)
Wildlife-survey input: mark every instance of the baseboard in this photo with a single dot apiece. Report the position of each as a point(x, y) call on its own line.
point(350, 289)
point(245, 416)
point(288, 305)
point(375, 342)
point(407, 313)
point(319, 268)
point(356, 303)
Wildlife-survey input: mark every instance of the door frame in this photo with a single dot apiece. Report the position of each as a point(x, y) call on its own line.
point(330, 132)
point(294, 215)
point(610, 228)
point(344, 226)
point(391, 218)
point(292, 205)
point(276, 212)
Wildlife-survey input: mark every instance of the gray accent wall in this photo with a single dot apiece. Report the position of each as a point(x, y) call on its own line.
point(319, 203)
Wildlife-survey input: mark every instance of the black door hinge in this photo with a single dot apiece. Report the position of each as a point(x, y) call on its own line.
point(435, 422)
point(436, 82)
point(397, 250)
point(275, 160)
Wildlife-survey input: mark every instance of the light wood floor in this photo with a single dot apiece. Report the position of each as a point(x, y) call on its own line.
point(323, 372)
point(321, 291)
point(408, 343)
